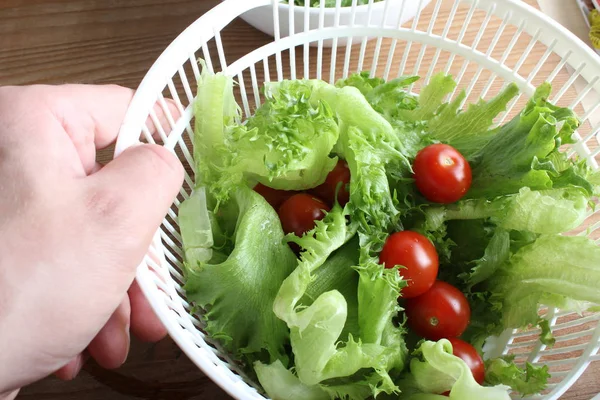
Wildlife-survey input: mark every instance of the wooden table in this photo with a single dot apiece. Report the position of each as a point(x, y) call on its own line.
point(100, 41)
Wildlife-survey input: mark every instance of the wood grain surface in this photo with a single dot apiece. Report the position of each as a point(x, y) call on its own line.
point(116, 41)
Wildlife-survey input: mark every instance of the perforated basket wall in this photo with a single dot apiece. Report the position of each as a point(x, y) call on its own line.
point(485, 44)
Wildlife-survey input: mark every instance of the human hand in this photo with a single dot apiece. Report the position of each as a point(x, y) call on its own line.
point(72, 233)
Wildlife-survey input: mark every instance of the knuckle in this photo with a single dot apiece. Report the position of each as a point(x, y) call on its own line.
point(104, 204)
point(161, 160)
point(114, 87)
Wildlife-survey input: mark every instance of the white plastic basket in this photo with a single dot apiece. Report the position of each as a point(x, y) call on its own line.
point(485, 44)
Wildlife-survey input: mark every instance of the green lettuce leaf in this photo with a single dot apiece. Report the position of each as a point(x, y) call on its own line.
point(549, 271)
point(362, 81)
point(546, 336)
point(543, 211)
point(431, 99)
point(496, 254)
point(315, 328)
point(195, 227)
point(378, 290)
point(469, 130)
point(391, 98)
point(375, 156)
point(425, 119)
point(525, 152)
point(282, 384)
point(436, 370)
point(335, 274)
point(216, 111)
point(503, 371)
point(299, 132)
point(486, 319)
point(466, 130)
point(285, 145)
point(235, 289)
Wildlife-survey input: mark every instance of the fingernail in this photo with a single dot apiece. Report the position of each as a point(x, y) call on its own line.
point(78, 366)
point(128, 341)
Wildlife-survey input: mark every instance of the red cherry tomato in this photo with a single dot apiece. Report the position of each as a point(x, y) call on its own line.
point(470, 356)
point(326, 190)
point(274, 197)
point(441, 312)
point(442, 174)
point(299, 212)
point(417, 254)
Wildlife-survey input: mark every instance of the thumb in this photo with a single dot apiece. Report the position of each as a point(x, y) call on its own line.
point(129, 198)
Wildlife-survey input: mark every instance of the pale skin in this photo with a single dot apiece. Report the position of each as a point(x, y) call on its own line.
point(72, 231)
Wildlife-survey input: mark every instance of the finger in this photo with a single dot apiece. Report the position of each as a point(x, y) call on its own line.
point(162, 119)
point(97, 167)
point(111, 345)
point(145, 325)
point(72, 369)
point(92, 116)
point(127, 201)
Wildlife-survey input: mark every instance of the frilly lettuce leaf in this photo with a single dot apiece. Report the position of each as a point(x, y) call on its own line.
point(375, 156)
point(538, 211)
point(431, 98)
point(391, 98)
point(285, 145)
point(531, 277)
point(315, 328)
point(299, 131)
point(362, 81)
point(281, 384)
point(235, 289)
point(195, 227)
point(466, 130)
point(525, 152)
point(495, 255)
point(335, 274)
point(436, 370)
point(546, 336)
point(503, 371)
point(427, 118)
point(374, 153)
point(492, 237)
point(469, 130)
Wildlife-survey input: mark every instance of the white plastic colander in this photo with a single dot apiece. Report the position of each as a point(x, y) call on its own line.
point(485, 44)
